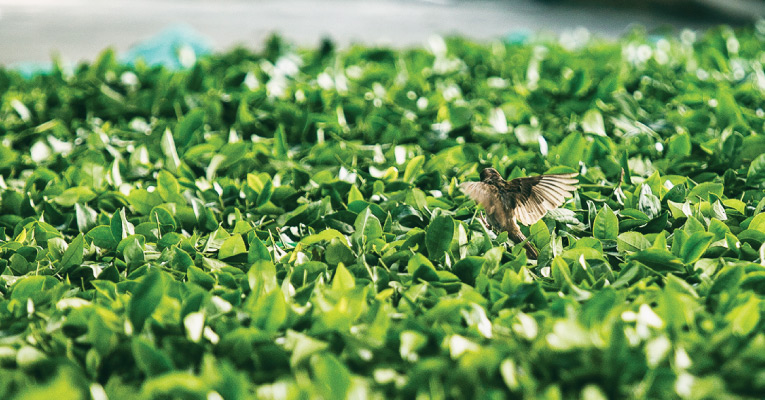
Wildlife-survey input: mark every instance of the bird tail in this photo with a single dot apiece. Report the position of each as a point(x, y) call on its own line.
point(531, 251)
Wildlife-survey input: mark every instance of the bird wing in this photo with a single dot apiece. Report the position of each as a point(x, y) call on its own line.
point(536, 195)
point(487, 196)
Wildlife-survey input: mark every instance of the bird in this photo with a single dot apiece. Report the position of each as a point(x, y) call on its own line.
point(526, 200)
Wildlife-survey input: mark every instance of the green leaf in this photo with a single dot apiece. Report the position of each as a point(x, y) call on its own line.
point(143, 201)
point(570, 151)
point(468, 269)
point(280, 142)
point(216, 239)
point(168, 186)
point(194, 324)
point(200, 277)
point(367, 226)
point(676, 194)
point(325, 235)
point(64, 383)
point(258, 251)
point(343, 279)
point(679, 146)
point(332, 378)
point(561, 273)
point(354, 194)
point(695, 246)
point(421, 268)
point(678, 239)
point(262, 277)
point(56, 248)
point(731, 146)
point(659, 260)
point(85, 216)
point(459, 115)
point(265, 194)
point(744, 318)
point(188, 126)
point(438, 237)
point(173, 385)
point(233, 153)
point(163, 218)
point(102, 237)
point(625, 168)
point(75, 195)
point(232, 246)
point(172, 161)
point(44, 232)
point(540, 234)
point(413, 168)
point(758, 223)
point(338, 252)
point(8, 157)
point(32, 286)
point(509, 374)
point(703, 190)
point(592, 122)
point(148, 358)
point(411, 343)
point(133, 251)
point(212, 168)
point(120, 226)
point(606, 225)
point(693, 225)
point(527, 135)
point(145, 299)
point(727, 281)
point(756, 174)
point(735, 204)
point(73, 255)
point(20, 265)
point(302, 346)
point(630, 242)
point(269, 311)
point(718, 229)
point(648, 204)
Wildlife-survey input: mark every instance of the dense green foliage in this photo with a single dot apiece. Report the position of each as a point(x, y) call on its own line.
point(288, 224)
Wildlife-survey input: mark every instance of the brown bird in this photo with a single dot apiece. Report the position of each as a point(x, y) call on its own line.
point(524, 199)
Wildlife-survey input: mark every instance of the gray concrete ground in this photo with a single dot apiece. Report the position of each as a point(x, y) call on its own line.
point(32, 30)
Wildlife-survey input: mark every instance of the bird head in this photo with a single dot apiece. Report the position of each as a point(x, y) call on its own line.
point(490, 175)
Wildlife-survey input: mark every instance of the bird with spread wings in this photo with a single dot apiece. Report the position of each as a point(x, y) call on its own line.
point(523, 199)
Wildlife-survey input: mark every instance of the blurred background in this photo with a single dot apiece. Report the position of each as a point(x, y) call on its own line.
point(32, 31)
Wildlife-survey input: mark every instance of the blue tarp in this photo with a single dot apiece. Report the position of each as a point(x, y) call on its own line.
point(166, 47)
point(170, 48)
